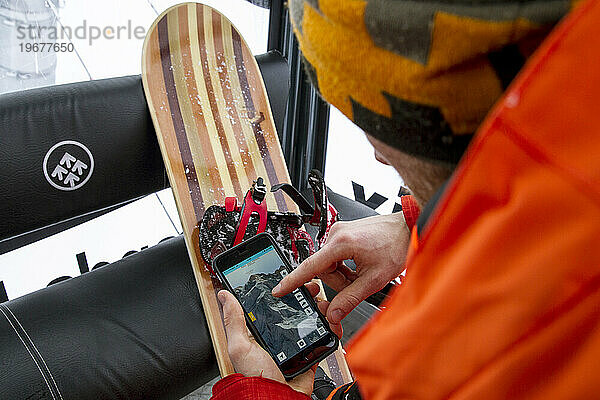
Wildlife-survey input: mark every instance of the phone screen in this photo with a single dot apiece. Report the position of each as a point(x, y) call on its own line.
point(287, 325)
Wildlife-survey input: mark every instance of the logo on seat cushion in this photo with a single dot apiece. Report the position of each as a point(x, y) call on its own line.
point(68, 165)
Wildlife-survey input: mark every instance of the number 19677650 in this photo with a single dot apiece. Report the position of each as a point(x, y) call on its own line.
point(42, 47)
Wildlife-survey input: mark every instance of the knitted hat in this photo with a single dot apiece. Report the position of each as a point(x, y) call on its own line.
point(419, 75)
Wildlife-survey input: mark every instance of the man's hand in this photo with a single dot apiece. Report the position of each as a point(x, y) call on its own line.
point(247, 356)
point(378, 245)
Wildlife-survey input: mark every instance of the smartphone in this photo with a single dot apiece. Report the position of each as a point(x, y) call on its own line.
point(290, 328)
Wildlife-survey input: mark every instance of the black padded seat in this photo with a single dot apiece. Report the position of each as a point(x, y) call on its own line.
point(111, 119)
point(134, 329)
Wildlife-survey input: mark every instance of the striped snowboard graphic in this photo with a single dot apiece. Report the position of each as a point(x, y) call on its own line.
point(216, 133)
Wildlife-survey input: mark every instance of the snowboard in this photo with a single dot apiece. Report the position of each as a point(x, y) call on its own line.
point(216, 133)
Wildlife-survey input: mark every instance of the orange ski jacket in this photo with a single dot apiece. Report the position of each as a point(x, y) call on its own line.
point(502, 293)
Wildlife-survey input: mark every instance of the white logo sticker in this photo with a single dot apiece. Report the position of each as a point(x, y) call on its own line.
point(68, 165)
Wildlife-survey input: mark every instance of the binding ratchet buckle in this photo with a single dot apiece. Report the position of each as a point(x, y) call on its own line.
point(223, 227)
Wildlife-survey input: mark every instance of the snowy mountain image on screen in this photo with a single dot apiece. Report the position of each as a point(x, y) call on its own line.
point(282, 322)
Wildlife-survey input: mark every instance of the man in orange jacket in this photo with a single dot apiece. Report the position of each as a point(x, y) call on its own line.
point(502, 292)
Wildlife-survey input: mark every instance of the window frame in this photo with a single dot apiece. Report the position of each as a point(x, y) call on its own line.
point(306, 125)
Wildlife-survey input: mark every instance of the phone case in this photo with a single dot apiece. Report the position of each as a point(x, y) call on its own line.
point(304, 291)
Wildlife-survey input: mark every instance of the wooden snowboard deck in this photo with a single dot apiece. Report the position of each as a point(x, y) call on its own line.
point(216, 133)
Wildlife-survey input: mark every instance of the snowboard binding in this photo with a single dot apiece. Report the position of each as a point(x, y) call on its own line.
point(223, 227)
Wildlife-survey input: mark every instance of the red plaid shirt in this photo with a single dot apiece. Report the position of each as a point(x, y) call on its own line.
point(411, 210)
point(239, 387)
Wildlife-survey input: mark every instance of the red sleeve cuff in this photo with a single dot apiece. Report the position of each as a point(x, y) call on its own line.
point(239, 387)
point(411, 210)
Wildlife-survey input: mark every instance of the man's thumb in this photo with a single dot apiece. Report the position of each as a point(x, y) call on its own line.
point(233, 316)
point(346, 300)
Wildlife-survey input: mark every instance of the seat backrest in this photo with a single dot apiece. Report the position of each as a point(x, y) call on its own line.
point(71, 152)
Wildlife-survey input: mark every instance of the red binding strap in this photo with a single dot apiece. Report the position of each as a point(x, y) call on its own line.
point(248, 208)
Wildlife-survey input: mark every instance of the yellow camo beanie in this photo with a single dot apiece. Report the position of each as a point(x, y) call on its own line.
point(419, 75)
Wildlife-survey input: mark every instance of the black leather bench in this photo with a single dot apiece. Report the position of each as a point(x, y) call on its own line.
point(133, 329)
